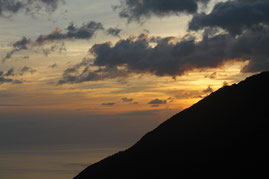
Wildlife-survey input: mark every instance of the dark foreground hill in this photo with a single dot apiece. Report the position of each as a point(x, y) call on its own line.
point(225, 135)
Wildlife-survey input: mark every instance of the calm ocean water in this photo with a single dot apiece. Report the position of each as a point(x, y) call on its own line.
point(57, 162)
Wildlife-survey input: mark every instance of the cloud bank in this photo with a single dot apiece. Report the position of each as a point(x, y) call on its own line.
point(165, 57)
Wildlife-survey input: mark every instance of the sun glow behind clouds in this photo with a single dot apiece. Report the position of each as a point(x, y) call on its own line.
point(37, 93)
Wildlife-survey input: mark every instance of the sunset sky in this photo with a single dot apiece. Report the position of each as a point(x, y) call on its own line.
point(104, 72)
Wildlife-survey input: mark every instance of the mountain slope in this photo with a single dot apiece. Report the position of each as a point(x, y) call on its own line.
point(223, 135)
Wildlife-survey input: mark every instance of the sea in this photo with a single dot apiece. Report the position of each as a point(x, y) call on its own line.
point(53, 162)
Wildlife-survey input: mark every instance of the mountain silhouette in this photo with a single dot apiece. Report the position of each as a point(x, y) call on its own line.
point(225, 135)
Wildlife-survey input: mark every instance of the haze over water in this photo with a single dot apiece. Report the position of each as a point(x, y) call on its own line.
point(59, 162)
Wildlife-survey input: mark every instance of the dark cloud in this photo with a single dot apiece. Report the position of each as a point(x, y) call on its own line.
point(59, 47)
point(73, 74)
point(26, 44)
point(18, 46)
point(208, 90)
point(157, 102)
point(10, 72)
point(168, 57)
point(127, 99)
point(234, 16)
point(22, 44)
point(108, 104)
point(10, 7)
point(86, 31)
point(27, 69)
point(4, 77)
point(141, 9)
point(52, 4)
point(114, 31)
point(5, 80)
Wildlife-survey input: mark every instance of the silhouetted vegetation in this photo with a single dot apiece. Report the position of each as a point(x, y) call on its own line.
point(225, 135)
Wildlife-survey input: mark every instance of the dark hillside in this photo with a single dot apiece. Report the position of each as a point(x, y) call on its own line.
point(225, 135)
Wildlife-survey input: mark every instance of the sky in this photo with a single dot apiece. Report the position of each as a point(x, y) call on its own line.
point(68, 67)
point(103, 73)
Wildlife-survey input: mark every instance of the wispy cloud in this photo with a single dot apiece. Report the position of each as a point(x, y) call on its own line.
point(108, 104)
point(157, 102)
point(126, 99)
point(86, 31)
